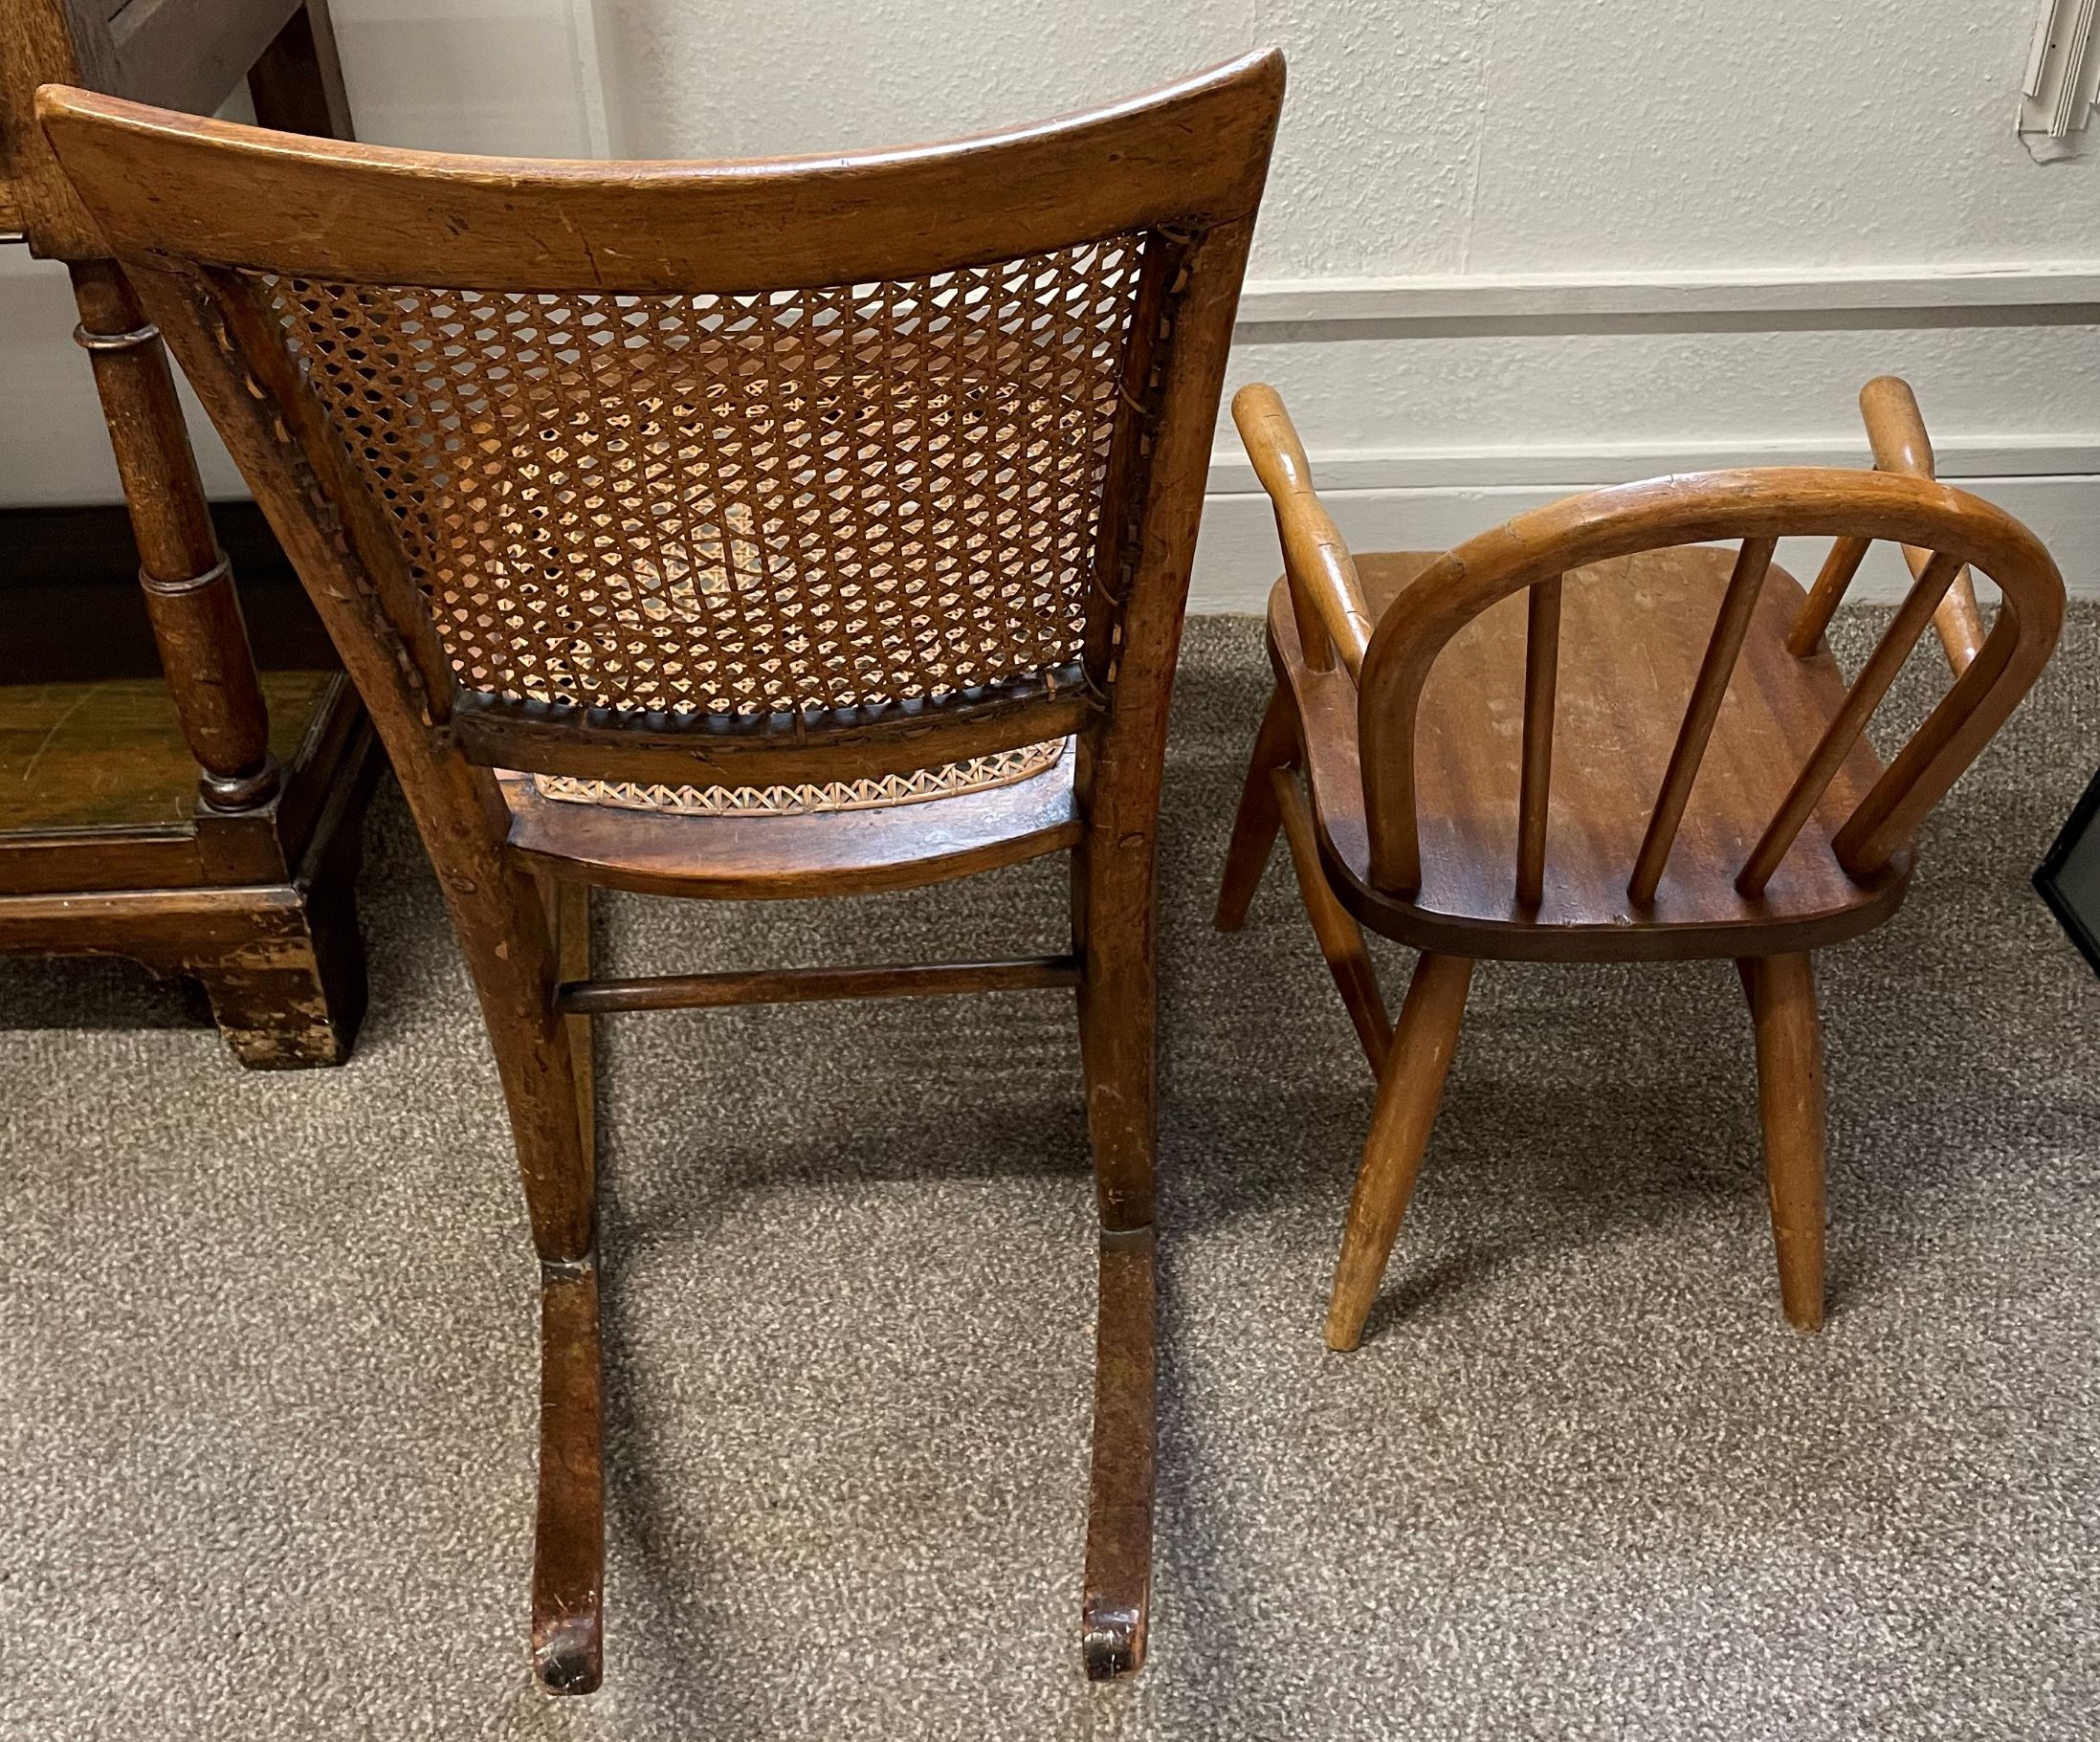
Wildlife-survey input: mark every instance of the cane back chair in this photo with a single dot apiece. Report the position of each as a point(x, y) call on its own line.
point(795, 528)
point(1652, 755)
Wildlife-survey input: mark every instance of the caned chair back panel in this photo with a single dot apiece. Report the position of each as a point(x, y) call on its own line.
point(755, 476)
point(1533, 551)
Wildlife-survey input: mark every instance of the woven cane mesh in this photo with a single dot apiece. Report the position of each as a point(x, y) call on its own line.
point(739, 504)
point(1003, 769)
point(761, 504)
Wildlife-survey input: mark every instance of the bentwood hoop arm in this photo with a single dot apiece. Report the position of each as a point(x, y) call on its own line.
point(1652, 756)
point(740, 531)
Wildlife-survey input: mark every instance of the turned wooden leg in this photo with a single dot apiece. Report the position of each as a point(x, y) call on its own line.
point(1416, 1064)
point(1114, 922)
point(1341, 938)
point(1782, 999)
point(1254, 828)
point(190, 600)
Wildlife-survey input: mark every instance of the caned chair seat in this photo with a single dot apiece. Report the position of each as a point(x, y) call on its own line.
point(798, 528)
point(855, 837)
point(1633, 632)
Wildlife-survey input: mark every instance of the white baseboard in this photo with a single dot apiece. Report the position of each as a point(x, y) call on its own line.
point(2021, 292)
point(1237, 560)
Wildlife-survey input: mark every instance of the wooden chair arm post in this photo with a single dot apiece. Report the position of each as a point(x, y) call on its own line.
point(1325, 594)
point(1896, 428)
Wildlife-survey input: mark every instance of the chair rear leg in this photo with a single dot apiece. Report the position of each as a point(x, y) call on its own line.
point(569, 1531)
point(1254, 828)
point(1416, 1064)
point(1114, 921)
point(1790, 1107)
point(519, 941)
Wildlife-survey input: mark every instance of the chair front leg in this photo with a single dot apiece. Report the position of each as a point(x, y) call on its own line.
point(1114, 921)
point(1408, 1091)
point(1790, 1108)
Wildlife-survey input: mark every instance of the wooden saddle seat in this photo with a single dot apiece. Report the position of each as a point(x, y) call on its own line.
point(796, 841)
point(1632, 633)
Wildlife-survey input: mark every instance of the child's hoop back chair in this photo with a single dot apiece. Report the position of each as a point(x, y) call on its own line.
point(739, 530)
point(1591, 736)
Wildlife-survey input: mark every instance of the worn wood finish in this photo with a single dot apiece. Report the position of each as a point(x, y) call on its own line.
point(279, 957)
point(110, 754)
point(1192, 163)
point(1409, 1088)
point(568, 1577)
point(1634, 634)
point(1790, 1107)
point(1115, 243)
point(187, 582)
point(1116, 1585)
point(1654, 757)
point(255, 824)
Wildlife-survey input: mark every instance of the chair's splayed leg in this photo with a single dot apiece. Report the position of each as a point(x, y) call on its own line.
point(1118, 1576)
point(569, 1541)
point(1254, 828)
point(1416, 1064)
point(1339, 936)
point(1790, 1107)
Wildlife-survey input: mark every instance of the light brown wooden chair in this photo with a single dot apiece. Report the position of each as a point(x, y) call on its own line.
point(1649, 756)
point(799, 528)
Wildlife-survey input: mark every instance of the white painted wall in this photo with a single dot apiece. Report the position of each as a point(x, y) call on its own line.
point(1735, 186)
point(493, 76)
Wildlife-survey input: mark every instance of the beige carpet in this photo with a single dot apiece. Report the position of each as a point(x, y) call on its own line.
point(266, 1405)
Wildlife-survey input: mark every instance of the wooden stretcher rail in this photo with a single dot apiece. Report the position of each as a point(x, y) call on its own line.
point(811, 985)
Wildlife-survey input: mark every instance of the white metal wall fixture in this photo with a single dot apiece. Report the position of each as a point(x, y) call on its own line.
point(2062, 78)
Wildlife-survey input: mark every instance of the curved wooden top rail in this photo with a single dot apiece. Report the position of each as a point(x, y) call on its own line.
point(1324, 590)
point(1751, 505)
point(1193, 154)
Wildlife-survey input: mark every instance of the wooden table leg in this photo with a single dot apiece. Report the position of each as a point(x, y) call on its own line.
point(187, 582)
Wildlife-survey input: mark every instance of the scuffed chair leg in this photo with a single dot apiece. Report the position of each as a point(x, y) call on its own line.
point(1416, 1064)
point(1112, 928)
point(568, 1538)
point(1254, 828)
point(1339, 936)
point(1790, 1107)
point(1118, 1575)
